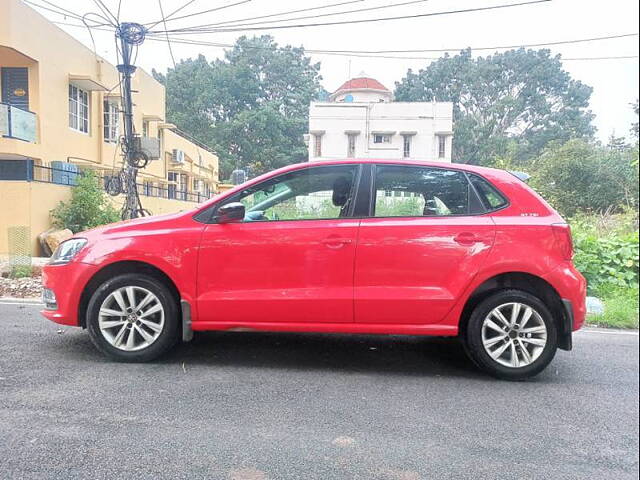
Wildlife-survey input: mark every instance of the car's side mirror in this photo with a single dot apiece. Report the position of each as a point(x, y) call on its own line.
point(230, 213)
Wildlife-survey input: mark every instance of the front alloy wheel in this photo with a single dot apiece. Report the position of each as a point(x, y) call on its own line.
point(133, 317)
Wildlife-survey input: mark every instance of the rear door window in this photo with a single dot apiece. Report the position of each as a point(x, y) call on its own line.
point(406, 191)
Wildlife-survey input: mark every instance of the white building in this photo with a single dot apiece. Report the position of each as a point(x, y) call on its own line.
point(361, 120)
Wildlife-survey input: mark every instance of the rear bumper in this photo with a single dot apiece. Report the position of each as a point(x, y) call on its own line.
point(572, 287)
point(67, 283)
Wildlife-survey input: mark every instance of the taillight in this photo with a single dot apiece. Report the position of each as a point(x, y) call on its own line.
point(564, 242)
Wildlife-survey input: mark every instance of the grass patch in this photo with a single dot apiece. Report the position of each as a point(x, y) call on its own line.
point(621, 309)
point(20, 271)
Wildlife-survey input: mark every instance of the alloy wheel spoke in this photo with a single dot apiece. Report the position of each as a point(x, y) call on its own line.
point(117, 341)
point(538, 329)
point(111, 323)
point(540, 342)
point(154, 309)
point(515, 361)
point(499, 351)
point(146, 335)
point(494, 326)
point(117, 296)
point(525, 353)
point(131, 297)
point(152, 325)
point(131, 339)
point(492, 341)
point(525, 318)
point(108, 312)
point(515, 313)
point(500, 316)
point(145, 301)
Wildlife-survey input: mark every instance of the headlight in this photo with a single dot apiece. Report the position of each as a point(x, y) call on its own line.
point(67, 250)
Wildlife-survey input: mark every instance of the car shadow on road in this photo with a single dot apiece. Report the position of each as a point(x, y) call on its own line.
point(423, 356)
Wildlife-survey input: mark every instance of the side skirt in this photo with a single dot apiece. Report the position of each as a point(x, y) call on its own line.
point(360, 328)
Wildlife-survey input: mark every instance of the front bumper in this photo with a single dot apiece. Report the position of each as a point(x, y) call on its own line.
point(67, 283)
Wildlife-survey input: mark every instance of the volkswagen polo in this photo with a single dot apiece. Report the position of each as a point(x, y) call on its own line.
point(350, 247)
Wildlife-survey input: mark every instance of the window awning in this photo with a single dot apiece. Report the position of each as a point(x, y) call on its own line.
point(85, 82)
point(152, 118)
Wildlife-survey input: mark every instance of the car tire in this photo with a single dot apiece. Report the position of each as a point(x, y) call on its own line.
point(133, 318)
point(498, 344)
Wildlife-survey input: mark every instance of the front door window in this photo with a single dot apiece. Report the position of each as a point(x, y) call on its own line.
point(309, 194)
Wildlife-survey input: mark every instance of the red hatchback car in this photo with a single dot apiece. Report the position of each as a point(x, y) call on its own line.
point(362, 246)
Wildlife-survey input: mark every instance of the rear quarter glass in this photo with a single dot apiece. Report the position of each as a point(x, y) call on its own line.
point(524, 202)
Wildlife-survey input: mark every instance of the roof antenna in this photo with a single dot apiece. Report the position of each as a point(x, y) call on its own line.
point(349, 76)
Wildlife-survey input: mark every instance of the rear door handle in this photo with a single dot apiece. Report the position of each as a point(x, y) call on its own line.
point(336, 242)
point(467, 238)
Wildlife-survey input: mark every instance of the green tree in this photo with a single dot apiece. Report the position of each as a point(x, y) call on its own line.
point(251, 106)
point(88, 207)
point(517, 101)
point(578, 176)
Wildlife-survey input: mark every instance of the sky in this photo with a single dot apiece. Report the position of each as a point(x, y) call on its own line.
point(614, 82)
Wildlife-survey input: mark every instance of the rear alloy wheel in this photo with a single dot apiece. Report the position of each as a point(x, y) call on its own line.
point(511, 335)
point(132, 318)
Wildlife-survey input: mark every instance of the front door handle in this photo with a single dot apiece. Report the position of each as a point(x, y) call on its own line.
point(336, 242)
point(467, 238)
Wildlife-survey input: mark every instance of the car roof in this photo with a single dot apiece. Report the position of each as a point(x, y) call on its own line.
point(421, 163)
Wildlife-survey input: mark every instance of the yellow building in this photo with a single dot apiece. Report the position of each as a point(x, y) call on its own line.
point(60, 110)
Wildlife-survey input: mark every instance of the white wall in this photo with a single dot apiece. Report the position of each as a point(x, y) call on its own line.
point(428, 120)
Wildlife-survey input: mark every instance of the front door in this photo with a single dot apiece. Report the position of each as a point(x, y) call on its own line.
point(421, 247)
point(291, 259)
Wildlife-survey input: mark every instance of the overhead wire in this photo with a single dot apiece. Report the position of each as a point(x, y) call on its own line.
point(166, 34)
point(194, 30)
point(376, 54)
point(289, 12)
point(222, 7)
point(105, 10)
point(164, 19)
point(344, 12)
point(59, 10)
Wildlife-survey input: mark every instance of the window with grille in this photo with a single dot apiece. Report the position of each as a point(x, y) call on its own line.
point(78, 109)
point(382, 138)
point(317, 145)
point(442, 146)
point(351, 145)
point(406, 147)
point(111, 121)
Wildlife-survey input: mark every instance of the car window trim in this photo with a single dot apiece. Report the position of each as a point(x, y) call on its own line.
point(488, 209)
point(210, 217)
point(374, 191)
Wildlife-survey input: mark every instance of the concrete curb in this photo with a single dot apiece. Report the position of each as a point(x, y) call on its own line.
point(19, 301)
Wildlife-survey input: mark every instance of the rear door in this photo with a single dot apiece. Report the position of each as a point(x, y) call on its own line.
point(423, 243)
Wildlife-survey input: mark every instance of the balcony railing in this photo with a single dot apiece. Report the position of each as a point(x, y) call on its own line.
point(17, 123)
point(26, 170)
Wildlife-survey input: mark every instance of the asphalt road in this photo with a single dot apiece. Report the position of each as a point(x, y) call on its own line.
point(248, 406)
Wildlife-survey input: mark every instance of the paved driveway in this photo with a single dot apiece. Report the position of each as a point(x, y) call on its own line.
point(291, 406)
